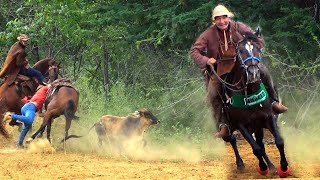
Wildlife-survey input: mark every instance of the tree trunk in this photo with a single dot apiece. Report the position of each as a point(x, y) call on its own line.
point(35, 52)
point(316, 11)
point(106, 56)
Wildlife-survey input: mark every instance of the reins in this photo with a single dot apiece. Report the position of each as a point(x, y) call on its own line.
point(227, 85)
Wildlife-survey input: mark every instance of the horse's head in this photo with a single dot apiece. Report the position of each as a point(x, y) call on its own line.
point(49, 68)
point(249, 55)
point(53, 70)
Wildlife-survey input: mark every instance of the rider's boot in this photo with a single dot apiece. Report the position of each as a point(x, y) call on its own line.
point(220, 116)
point(7, 117)
point(277, 106)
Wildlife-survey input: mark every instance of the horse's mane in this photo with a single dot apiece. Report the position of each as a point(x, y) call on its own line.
point(43, 64)
point(43, 61)
point(250, 36)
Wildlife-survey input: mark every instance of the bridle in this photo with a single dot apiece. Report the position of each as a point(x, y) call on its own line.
point(243, 64)
point(52, 68)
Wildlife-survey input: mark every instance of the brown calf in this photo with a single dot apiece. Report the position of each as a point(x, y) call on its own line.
point(117, 130)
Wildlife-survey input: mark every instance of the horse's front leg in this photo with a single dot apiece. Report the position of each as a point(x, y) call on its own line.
point(259, 140)
point(257, 150)
point(41, 133)
point(233, 141)
point(41, 129)
point(284, 169)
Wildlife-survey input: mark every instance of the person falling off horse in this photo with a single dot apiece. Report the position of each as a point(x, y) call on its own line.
point(28, 112)
point(217, 46)
point(17, 63)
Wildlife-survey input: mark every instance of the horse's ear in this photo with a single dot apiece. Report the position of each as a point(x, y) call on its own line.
point(59, 65)
point(258, 32)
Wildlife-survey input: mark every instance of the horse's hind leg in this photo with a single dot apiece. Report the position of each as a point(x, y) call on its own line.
point(66, 134)
point(259, 140)
point(233, 141)
point(49, 130)
point(284, 169)
point(257, 150)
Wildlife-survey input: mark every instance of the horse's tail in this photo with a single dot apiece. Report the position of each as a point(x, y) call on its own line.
point(3, 130)
point(69, 112)
point(77, 136)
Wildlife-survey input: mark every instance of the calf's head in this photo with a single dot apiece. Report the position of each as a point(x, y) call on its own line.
point(147, 117)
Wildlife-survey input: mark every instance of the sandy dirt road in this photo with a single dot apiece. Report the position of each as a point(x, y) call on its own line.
point(42, 161)
point(58, 164)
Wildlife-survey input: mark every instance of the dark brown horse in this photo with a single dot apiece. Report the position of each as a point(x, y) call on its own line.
point(62, 99)
point(11, 95)
point(249, 108)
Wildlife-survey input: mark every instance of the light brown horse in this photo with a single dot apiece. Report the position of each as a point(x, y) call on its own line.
point(11, 95)
point(62, 99)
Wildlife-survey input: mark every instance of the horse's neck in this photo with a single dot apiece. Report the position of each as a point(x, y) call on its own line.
point(240, 79)
point(253, 87)
point(42, 66)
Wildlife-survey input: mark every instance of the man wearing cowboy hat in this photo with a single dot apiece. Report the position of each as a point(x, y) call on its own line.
point(17, 63)
point(219, 42)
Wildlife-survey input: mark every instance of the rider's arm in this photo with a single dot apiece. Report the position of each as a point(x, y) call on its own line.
point(198, 51)
point(21, 60)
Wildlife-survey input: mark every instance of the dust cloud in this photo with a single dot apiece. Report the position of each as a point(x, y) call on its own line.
point(301, 144)
point(134, 150)
point(40, 146)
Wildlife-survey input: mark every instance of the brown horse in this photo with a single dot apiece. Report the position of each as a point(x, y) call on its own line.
point(248, 106)
point(62, 99)
point(11, 95)
point(49, 68)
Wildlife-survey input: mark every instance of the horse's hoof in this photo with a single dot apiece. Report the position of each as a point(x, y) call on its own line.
point(241, 167)
point(283, 174)
point(265, 172)
point(29, 140)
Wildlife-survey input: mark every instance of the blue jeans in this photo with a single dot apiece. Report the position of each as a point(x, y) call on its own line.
point(28, 112)
point(31, 72)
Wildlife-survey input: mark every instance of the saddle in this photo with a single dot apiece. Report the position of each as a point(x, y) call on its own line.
point(21, 82)
point(55, 85)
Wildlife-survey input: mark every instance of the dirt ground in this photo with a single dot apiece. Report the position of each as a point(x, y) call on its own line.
point(41, 161)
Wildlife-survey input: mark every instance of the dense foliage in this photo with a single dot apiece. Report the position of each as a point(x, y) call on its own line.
point(127, 54)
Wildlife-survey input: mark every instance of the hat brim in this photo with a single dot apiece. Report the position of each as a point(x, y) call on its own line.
point(230, 15)
point(23, 39)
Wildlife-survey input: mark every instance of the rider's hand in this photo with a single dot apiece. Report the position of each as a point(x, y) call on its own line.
point(211, 61)
point(27, 66)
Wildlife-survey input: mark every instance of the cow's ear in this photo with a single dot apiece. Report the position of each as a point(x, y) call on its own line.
point(137, 113)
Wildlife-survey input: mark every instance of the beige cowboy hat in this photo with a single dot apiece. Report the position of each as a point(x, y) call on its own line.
point(23, 37)
point(221, 10)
